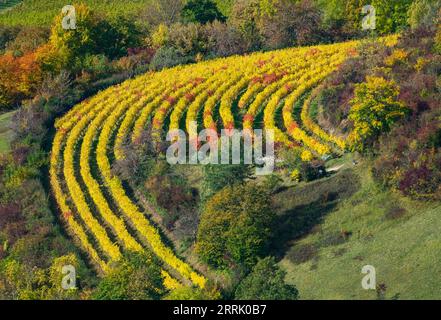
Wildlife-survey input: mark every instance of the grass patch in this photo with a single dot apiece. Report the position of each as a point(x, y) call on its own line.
point(368, 228)
point(302, 253)
point(6, 133)
point(395, 212)
point(302, 209)
point(42, 13)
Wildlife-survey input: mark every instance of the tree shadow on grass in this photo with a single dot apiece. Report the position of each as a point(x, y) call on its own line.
point(302, 209)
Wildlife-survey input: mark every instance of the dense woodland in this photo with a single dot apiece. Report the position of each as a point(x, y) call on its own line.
point(383, 101)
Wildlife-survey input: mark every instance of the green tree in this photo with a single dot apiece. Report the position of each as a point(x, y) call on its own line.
point(165, 12)
point(235, 226)
point(244, 18)
point(217, 177)
point(333, 10)
point(24, 282)
point(188, 39)
point(93, 35)
point(375, 108)
point(135, 277)
point(225, 6)
point(71, 46)
point(391, 16)
point(201, 11)
point(266, 282)
point(423, 13)
point(116, 36)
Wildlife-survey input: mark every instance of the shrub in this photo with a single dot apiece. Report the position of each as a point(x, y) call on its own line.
point(34, 249)
point(438, 38)
point(12, 224)
point(306, 23)
point(116, 36)
point(167, 57)
point(243, 18)
point(28, 40)
point(395, 212)
point(171, 194)
point(218, 177)
point(235, 226)
point(187, 39)
point(167, 12)
point(223, 40)
point(160, 37)
point(410, 160)
point(312, 170)
point(266, 282)
point(19, 79)
point(7, 34)
point(201, 11)
point(96, 65)
point(423, 13)
point(375, 109)
point(391, 16)
point(135, 277)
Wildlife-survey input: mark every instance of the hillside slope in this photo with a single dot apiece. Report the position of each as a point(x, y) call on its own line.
point(399, 237)
point(5, 131)
point(95, 204)
point(42, 13)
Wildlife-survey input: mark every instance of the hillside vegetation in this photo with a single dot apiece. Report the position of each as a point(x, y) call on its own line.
point(360, 224)
point(5, 131)
point(87, 178)
point(42, 13)
point(91, 193)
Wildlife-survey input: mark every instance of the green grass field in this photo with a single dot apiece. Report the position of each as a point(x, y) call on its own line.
point(354, 225)
point(42, 13)
point(5, 132)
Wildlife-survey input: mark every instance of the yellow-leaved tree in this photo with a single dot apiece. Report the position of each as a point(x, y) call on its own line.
point(375, 108)
point(67, 47)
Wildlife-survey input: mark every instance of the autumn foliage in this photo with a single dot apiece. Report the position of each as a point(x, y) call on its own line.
point(19, 77)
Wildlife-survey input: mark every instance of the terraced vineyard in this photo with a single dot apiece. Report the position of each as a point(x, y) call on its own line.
point(226, 93)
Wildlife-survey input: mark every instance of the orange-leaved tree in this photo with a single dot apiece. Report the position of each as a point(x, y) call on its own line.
point(19, 78)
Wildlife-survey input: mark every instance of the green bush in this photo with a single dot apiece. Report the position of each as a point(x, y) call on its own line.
point(235, 226)
point(375, 108)
point(167, 57)
point(423, 13)
point(135, 277)
point(266, 282)
point(201, 11)
point(215, 178)
point(391, 16)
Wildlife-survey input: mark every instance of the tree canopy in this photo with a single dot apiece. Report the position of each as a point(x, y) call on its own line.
point(266, 282)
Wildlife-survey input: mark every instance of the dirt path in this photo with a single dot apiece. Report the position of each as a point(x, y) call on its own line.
point(335, 169)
